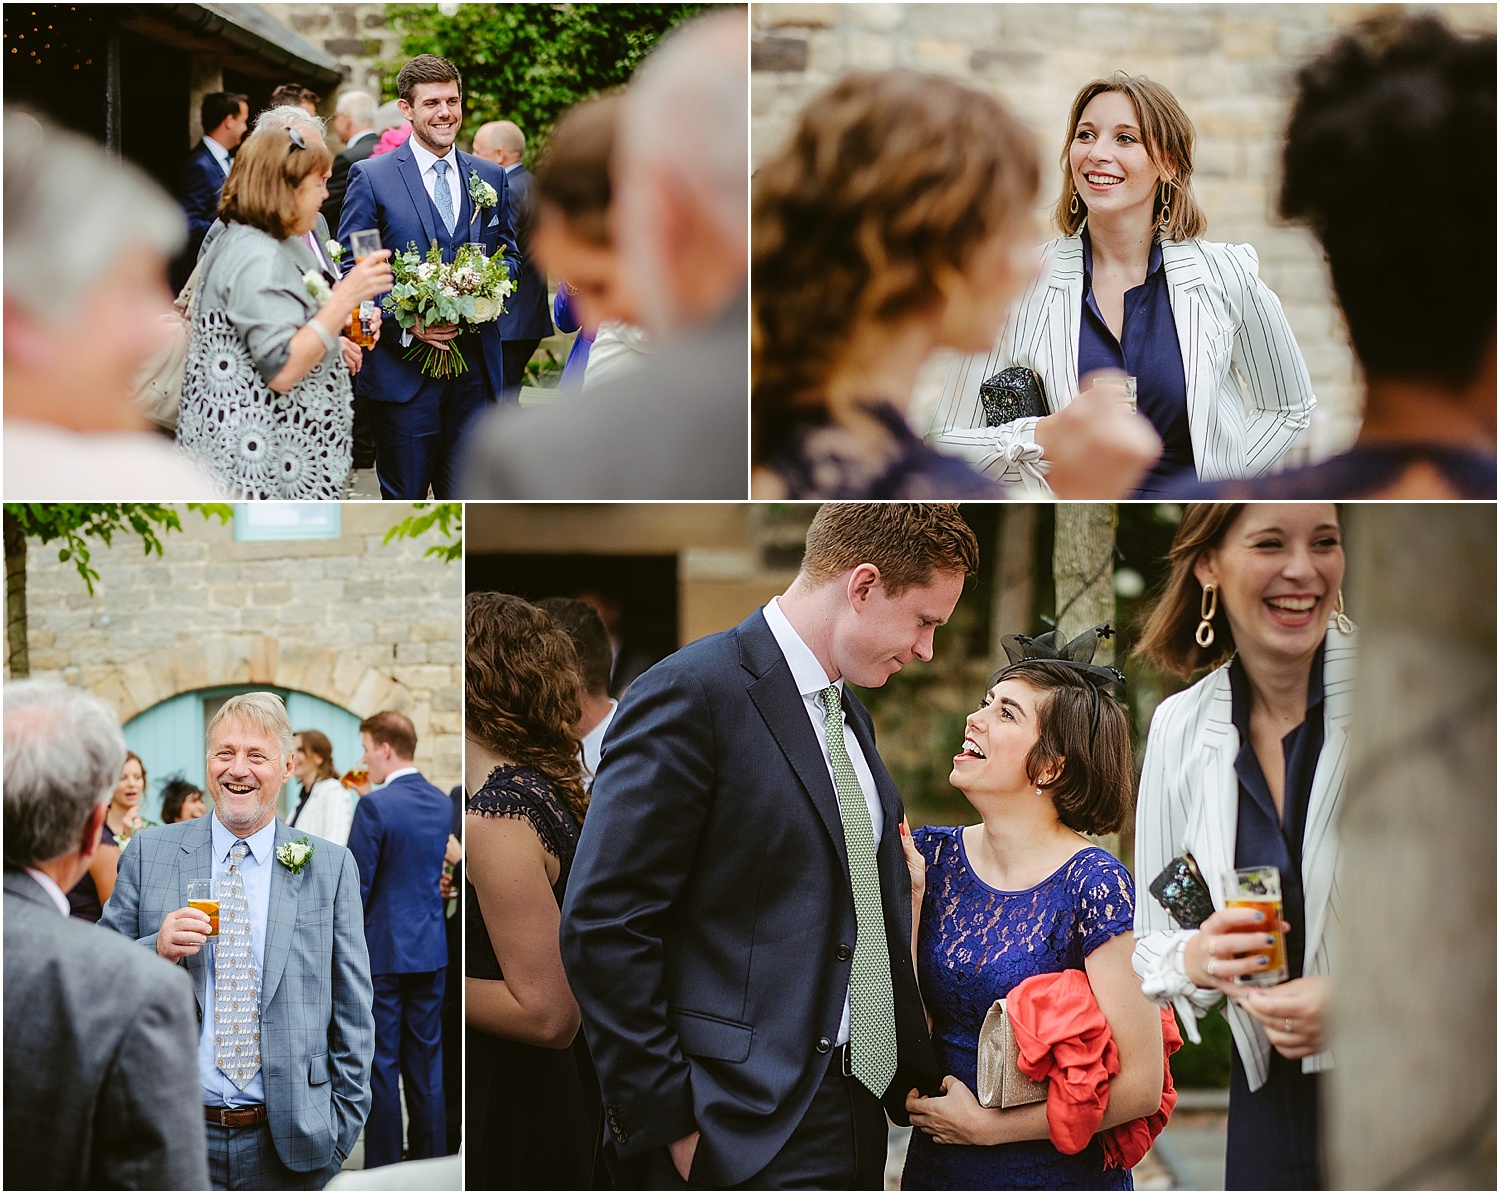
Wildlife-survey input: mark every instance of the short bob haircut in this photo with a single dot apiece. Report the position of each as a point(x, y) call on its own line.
point(316, 742)
point(262, 185)
point(174, 794)
point(1083, 744)
point(889, 185)
point(907, 541)
point(1169, 136)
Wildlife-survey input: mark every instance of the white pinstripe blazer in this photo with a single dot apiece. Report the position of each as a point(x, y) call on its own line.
point(1248, 392)
point(1189, 802)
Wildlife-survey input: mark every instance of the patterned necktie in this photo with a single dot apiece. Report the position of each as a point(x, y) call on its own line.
point(872, 1018)
point(443, 195)
point(236, 983)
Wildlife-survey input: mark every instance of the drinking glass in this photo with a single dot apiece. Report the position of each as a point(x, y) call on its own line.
point(1130, 389)
point(1260, 888)
point(364, 242)
point(362, 323)
point(202, 896)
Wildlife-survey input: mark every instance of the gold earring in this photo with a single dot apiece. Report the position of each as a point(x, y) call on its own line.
point(1073, 204)
point(1208, 606)
point(1340, 618)
point(1166, 210)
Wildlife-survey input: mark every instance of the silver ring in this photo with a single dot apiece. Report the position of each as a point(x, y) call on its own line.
point(1210, 967)
point(1287, 1025)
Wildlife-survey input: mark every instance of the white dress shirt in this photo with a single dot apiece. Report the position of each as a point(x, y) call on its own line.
point(424, 161)
point(810, 678)
point(221, 155)
point(54, 892)
point(593, 742)
point(397, 774)
point(255, 867)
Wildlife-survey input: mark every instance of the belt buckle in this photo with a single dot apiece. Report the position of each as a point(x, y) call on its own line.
point(223, 1117)
point(846, 1059)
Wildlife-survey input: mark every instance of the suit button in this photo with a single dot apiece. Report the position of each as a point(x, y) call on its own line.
point(824, 1044)
point(843, 953)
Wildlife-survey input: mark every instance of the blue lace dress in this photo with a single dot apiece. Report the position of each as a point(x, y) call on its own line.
point(974, 944)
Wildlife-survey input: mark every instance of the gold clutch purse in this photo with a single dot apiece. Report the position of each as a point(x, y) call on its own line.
point(1001, 1082)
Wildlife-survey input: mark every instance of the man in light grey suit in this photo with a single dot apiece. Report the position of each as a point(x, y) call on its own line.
point(100, 1090)
point(285, 1076)
point(679, 426)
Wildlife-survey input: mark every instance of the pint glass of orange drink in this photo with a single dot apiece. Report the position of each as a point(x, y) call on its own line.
point(201, 895)
point(1260, 888)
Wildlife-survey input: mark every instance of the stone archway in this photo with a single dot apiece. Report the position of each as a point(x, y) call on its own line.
point(250, 659)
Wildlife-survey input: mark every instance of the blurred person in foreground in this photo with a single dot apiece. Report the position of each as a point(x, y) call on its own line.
point(87, 241)
point(1247, 768)
point(181, 800)
point(266, 399)
point(284, 1076)
point(583, 625)
point(677, 427)
point(856, 285)
point(524, 323)
point(534, 1115)
point(100, 1037)
point(1410, 264)
point(87, 897)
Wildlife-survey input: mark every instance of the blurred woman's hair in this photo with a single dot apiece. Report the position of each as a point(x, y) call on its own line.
point(890, 182)
point(573, 175)
point(1171, 619)
point(130, 754)
point(174, 794)
point(315, 742)
point(261, 189)
point(1082, 754)
point(1168, 136)
point(388, 116)
point(71, 213)
point(521, 691)
point(1402, 96)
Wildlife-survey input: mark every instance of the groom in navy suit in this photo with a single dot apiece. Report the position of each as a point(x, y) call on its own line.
point(417, 194)
point(398, 839)
point(737, 926)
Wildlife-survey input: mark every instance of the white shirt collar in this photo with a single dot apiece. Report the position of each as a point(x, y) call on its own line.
point(54, 892)
point(807, 673)
point(221, 155)
point(260, 842)
point(425, 158)
point(513, 167)
point(398, 773)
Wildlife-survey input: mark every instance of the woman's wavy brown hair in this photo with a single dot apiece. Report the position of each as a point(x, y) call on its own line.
point(1171, 620)
point(261, 189)
point(316, 742)
point(521, 689)
point(1168, 134)
point(890, 183)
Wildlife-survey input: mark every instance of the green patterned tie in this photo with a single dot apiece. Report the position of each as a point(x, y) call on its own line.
point(872, 1019)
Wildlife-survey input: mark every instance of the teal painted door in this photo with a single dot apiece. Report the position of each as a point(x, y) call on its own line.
point(169, 737)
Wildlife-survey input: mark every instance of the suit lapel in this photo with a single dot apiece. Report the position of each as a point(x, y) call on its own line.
point(463, 231)
point(1200, 337)
point(1064, 298)
point(406, 163)
point(1217, 814)
point(1320, 837)
point(281, 923)
point(198, 863)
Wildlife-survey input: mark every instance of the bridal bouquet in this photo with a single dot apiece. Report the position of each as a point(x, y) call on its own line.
point(469, 290)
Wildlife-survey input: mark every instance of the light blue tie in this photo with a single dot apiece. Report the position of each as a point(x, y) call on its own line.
point(444, 196)
point(236, 981)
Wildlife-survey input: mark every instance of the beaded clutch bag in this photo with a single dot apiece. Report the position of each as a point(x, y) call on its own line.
point(1014, 393)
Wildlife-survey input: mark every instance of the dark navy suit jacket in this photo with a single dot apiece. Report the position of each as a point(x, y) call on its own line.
point(527, 316)
point(387, 193)
point(338, 181)
point(202, 182)
point(398, 838)
point(708, 927)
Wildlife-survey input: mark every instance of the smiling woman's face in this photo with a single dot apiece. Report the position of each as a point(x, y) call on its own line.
point(998, 739)
point(1112, 172)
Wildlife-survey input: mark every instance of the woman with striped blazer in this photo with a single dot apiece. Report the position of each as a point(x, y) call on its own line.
point(1131, 286)
point(1247, 768)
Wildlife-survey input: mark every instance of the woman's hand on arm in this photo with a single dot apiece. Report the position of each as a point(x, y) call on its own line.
point(955, 1117)
point(1301, 1003)
point(509, 870)
point(1135, 1024)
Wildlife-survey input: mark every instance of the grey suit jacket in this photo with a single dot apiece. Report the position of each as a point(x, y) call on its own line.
point(101, 1073)
point(678, 427)
point(317, 1024)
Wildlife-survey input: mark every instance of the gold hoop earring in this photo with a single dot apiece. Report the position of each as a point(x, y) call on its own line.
point(1208, 606)
point(1166, 210)
point(1340, 618)
point(1073, 204)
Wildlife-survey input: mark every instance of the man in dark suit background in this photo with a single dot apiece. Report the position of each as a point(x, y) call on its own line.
point(737, 927)
point(399, 837)
point(417, 194)
point(527, 320)
point(354, 122)
point(225, 117)
point(101, 1088)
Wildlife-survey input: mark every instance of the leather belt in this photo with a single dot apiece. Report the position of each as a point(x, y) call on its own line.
point(236, 1117)
point(845, 1057)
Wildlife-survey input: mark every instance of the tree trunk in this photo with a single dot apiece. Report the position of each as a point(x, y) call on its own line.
point(1412, 1099)
point(1014, 607)
point(16, 651)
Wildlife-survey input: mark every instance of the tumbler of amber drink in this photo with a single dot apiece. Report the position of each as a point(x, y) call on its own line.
point(201, 896)
point(362, 322)
point(1260, 888)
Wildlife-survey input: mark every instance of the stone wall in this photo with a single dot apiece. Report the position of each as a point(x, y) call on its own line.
point(1231, 66)
point(356, 34)
point(363, 625)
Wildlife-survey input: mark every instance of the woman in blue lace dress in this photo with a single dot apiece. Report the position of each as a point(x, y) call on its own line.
point(532, 1103)
point(1045, 759)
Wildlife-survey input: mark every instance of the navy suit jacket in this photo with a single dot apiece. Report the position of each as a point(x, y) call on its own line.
point(708, 927)
point(202, 182)
point(527, 315)
point(398, 838)
point(386, 192)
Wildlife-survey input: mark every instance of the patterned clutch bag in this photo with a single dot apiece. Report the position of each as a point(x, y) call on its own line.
point(1180, 889)
point(1014, 393)
point(1001, 1082)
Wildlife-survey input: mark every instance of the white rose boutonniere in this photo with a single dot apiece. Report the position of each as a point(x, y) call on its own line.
point(334, 250)
point(483, 195)
point(294, 855)
point(317, 286)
